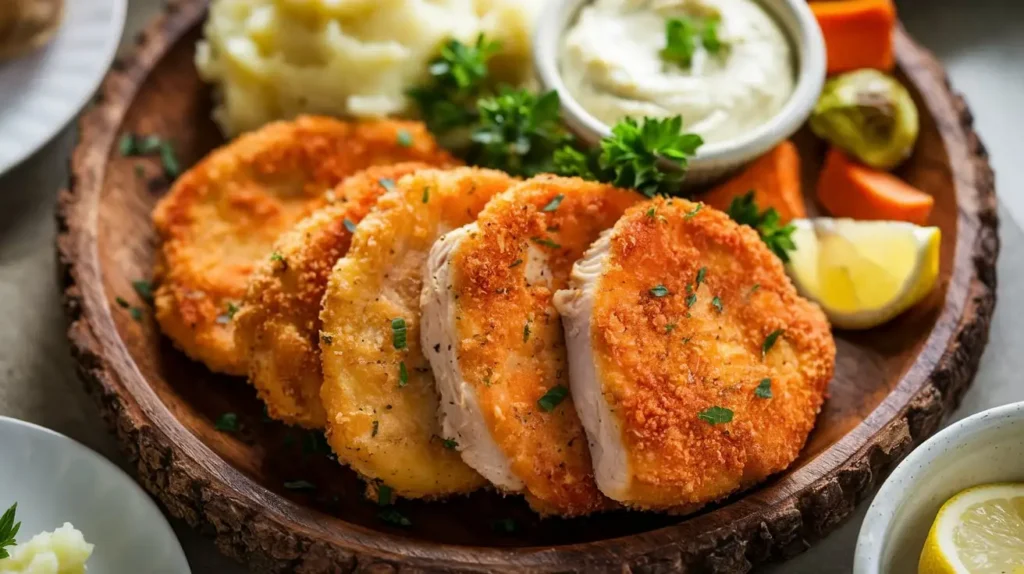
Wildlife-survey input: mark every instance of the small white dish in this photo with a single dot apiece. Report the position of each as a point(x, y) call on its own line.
point(712, 161)
point(56, 480)
point(41, 92)
point(981, 449)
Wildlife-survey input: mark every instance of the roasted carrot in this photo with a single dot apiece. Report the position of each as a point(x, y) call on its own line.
point(775, 180)
point(849, 189)
point(858, 33)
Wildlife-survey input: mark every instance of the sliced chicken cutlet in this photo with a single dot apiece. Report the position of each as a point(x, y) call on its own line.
point(278, 325)
point(495, 341)
point(378, 390)
point(220, 219)
point(696, 368)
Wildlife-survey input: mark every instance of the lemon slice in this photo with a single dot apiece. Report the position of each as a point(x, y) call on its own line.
point(863, 273)
point(979, 531)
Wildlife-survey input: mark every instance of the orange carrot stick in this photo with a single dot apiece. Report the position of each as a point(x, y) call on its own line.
point(848, 189)
point(858, 33)
point(775, 180)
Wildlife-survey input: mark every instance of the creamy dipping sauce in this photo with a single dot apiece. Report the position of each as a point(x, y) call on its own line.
point(611, 63)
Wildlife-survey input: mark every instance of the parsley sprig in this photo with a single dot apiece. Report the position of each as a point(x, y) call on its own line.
point(767, 223)
point(684, 35)
point(518, 132)
point(630, 157)
point(8, 530)
point(458, 77)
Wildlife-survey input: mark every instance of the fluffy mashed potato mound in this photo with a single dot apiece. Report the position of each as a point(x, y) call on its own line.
point(63, 551)
point(276, 59)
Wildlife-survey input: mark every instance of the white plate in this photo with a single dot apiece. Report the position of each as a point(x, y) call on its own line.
point(56, 480)
point(41, 92)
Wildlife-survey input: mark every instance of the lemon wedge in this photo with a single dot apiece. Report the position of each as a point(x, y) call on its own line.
point(863, 273)
point(979, 531)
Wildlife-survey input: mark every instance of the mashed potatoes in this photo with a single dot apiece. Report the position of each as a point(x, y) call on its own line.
point(63, 551)
point(273, 59)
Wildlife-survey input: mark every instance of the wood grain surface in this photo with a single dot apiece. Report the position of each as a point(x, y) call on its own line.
point(892, 386)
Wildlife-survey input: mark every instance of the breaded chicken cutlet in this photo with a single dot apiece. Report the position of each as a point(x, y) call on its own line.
point(278, 326)
point(696, 368)
point(378, 390)
point(220, 219)
point(495, 340)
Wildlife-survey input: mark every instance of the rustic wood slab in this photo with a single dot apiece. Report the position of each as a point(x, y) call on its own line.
point(891, 389)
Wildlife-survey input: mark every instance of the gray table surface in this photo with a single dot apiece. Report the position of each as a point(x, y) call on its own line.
point(979, 41)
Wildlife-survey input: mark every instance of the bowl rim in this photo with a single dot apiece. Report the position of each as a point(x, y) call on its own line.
point(805, 38)
point(875, 529)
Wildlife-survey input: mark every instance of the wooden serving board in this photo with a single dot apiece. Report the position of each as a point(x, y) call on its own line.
point(892, 385)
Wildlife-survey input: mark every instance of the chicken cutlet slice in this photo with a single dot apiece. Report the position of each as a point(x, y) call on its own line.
point(220, 219)
point(696, 368)
point(495, 341)
point(278, 325)
point(378, 390)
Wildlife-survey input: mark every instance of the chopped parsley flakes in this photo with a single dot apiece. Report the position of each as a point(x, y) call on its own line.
point(552, 398)
point(769, 342)
point(659, 290)
point(764, 389)
point(715, 415)
point(404, 138)
point(553, 204)
point(351, 227)
point(398, 333)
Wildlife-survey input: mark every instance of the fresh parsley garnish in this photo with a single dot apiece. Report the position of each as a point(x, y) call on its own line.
point(764, 389)
point(518, 132)
point(136, 314)
point(659, 290)
point(552, 398)
point(398, 333)
point(8, 530)
point(693, 212)
point(546, 242)
point(691, 297)
point(715, 415)
point(299, 485)
point(701, 274)
point(630, 157)
point(683, 35)
point(122, 302)
point(458, 78)
point(144, 290)
point(450, 444)
point(387, 183)
point(403, 374)
point(769, 342)
point(716, 303)
point(553, 204)
point(426, 194)
point(404, 138)
point(394, 517)
point(170, 160)
point(227, 422)
point(778, 237)
point(277, 257)
point(669, 327)
point(516, 263)
point(351, 227)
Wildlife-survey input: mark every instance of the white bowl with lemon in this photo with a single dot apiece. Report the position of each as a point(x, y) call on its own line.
point(955, 505)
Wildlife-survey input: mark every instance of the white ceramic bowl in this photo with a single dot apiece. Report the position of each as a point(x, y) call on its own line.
point(715, 160)
point(56, 480)
point(984, 448)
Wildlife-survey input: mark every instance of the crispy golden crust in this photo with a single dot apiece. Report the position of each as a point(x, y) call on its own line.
point(383, 429)
point(221, 218)
point(510, 370)
point(278, 326)
point(664, 361)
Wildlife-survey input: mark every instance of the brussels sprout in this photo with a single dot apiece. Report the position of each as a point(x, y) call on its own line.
point(869, 115)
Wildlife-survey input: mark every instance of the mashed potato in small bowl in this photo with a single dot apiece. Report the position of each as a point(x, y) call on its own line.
point(274, 59)
point(63, 551)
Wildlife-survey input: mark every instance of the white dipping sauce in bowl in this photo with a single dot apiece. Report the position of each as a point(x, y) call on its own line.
point(612, 64)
